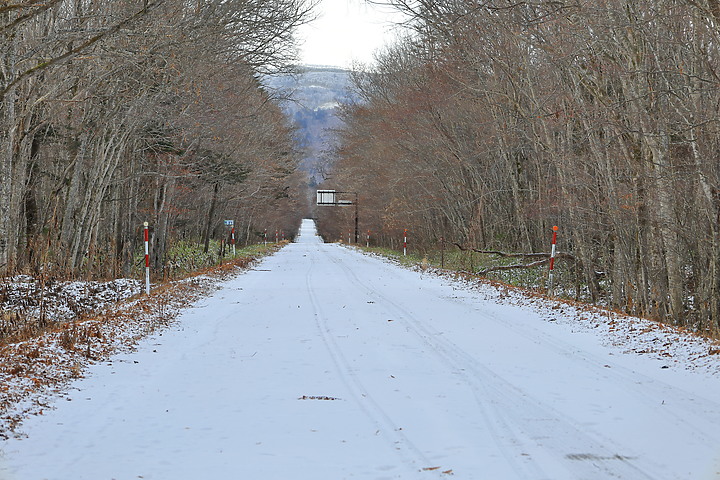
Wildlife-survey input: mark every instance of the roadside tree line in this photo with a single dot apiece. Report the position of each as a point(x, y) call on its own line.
point(494, 120)
point(118, 112)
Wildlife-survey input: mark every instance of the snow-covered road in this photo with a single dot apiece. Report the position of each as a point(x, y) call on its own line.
point(322, 363)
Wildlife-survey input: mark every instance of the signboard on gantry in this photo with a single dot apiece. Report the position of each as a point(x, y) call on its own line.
point(327, 197)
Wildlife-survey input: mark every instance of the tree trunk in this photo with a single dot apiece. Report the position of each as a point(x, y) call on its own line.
point(658, 145)
point(7, 131)
point(211, 216)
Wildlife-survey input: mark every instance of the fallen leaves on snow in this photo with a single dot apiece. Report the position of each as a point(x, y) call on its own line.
point(314, 397)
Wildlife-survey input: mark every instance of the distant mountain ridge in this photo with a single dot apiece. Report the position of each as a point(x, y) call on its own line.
point(311, 99)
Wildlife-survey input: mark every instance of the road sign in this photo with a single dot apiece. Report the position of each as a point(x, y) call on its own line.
point(229, 223)
point(326, 197)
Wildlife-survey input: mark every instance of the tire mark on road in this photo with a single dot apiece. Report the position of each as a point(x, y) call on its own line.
point(411, 456)
point(506, 409)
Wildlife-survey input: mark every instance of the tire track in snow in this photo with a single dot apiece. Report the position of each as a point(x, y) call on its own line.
point(697, 416)
point(509, 444)
point(412, 458)
point(519, 423)
point(645, 388)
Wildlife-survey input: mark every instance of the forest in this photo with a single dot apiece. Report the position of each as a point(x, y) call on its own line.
point(485, 125)
point(118, 112)
point(492, 121)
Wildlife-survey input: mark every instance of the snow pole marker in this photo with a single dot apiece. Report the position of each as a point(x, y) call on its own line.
point(276, 236)
point(146, 236)
point(405, 243)
point(442, 252)
point(552, 260)
point(232, 239)
point(367, 240)
point(265, 238)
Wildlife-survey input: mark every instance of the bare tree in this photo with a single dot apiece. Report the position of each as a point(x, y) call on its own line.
point(110, 111)
point(496, 120)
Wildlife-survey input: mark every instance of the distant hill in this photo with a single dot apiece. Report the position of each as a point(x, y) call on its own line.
point(311, 99)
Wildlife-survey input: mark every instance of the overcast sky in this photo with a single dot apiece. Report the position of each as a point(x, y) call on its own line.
point(346, 31)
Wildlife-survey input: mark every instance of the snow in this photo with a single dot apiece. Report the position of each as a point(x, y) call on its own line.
point(61, 300)
point(322, 363)
point(328, 106)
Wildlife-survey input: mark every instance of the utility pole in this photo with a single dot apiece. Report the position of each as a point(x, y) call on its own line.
point(357, 221)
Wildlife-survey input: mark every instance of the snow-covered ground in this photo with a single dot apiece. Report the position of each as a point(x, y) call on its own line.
point(59, 301)
point(322, 363)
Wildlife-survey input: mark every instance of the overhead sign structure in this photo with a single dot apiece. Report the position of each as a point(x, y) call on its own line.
point(330, 198)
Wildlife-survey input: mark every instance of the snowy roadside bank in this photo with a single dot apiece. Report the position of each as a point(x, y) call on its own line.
point(90, 322)
point(27, 298)
point(673, 347)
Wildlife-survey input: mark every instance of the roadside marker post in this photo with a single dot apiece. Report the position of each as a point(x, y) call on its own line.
point(552, 260)
point(442, 252)
point(232, 239)
point(265, 238)
point(405, 243)
point(147, 257)
point(367, 240)
point(276, 236)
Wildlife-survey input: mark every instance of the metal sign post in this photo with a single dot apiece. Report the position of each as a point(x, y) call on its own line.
point(357, 220)
point(231, 224)
point(329, 198)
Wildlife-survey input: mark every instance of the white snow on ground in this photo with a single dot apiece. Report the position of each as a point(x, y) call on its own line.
point(61, 301)
point(322, 363)
point(678, 348)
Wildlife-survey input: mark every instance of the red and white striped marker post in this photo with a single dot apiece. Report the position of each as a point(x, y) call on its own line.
point(265, 238)
point(276, 236)
point(147, 257)
point(405, 242)
point(232, 239)
point(442, 252)
point(367, 240)
point(552, 260)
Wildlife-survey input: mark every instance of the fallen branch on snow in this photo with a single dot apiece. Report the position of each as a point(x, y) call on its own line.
point(545, 258)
